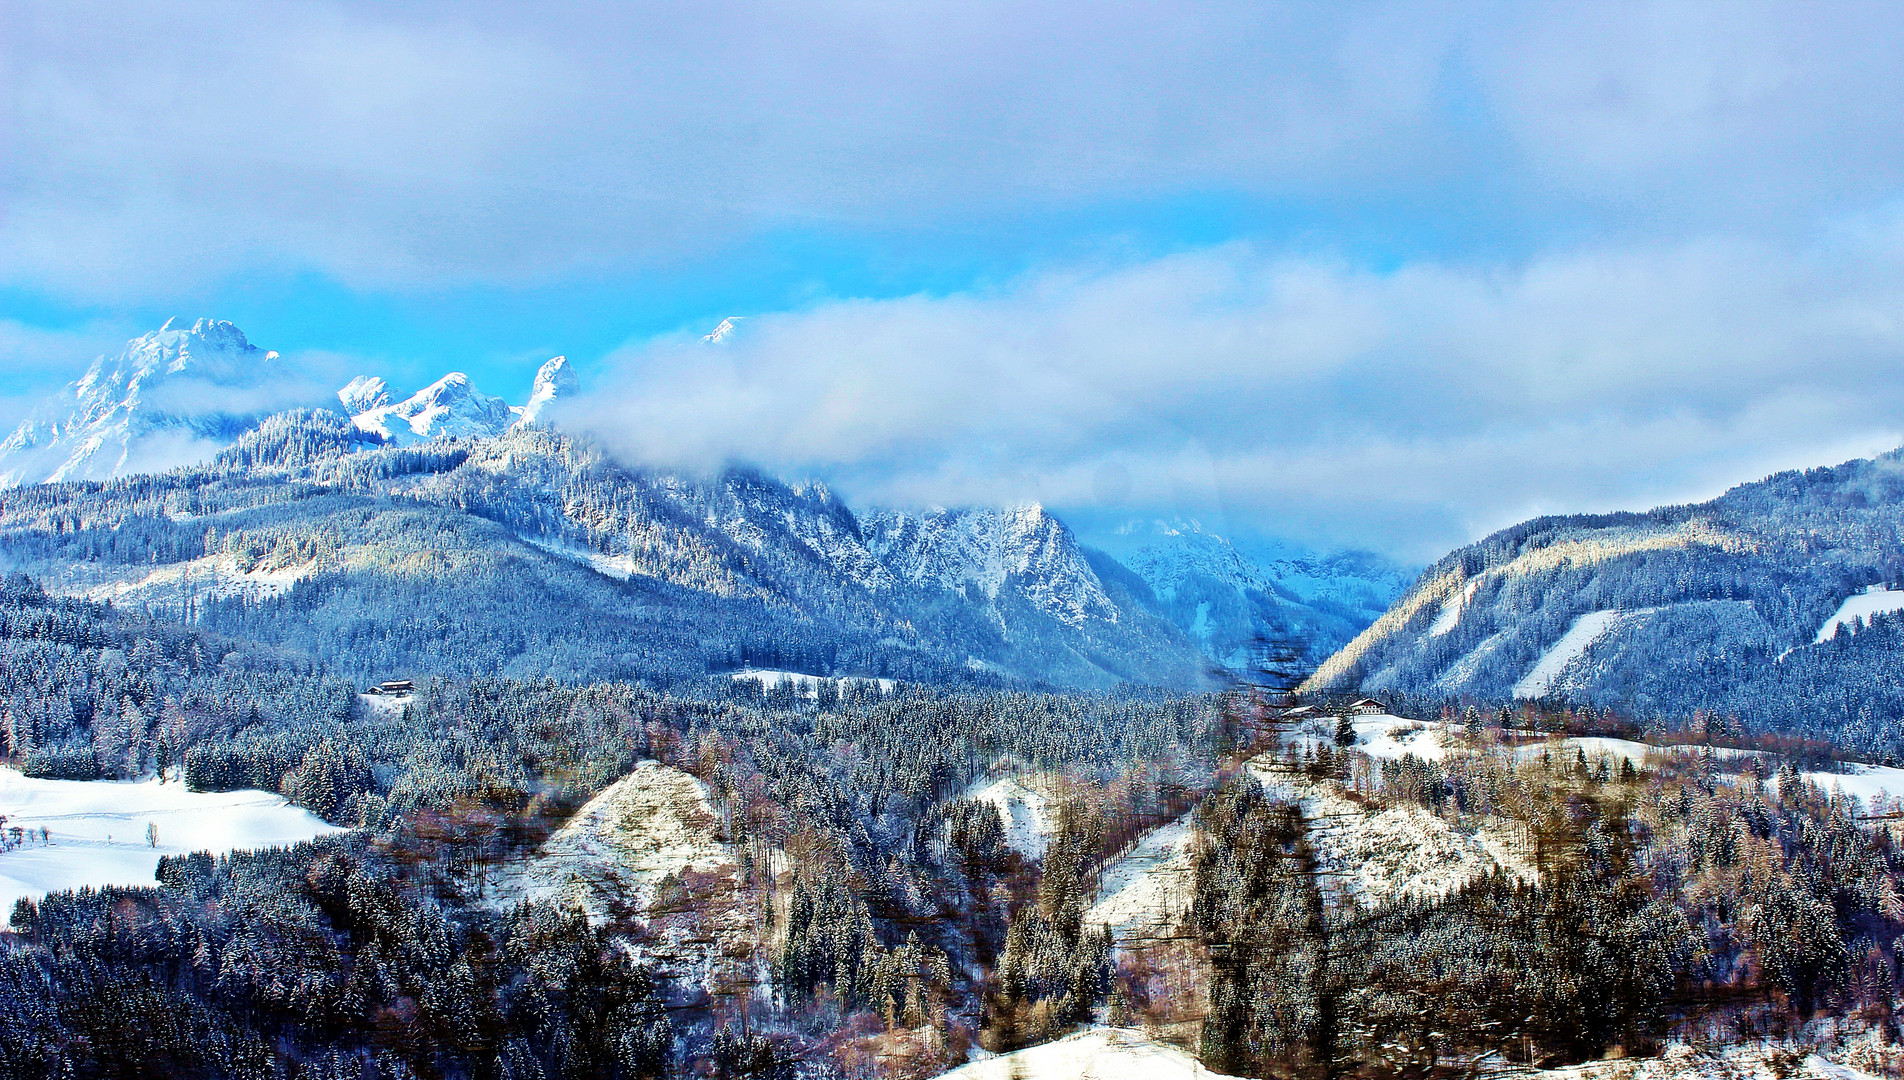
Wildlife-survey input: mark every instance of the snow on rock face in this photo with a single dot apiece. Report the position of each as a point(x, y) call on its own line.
point(98, 830)
point(1094, 1054)
point(447, 408)
point(724, 331)
point(364, 393)
point(554, 381)
point(613, 856)
point(1381, 855)
point(172, 397)
point(988, 550)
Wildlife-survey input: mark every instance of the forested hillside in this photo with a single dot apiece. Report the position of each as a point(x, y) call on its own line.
point(1728, 609)
point(871, 909)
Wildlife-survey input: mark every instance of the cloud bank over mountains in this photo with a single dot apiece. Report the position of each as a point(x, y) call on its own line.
point(1410, 408)
point(1390, 274)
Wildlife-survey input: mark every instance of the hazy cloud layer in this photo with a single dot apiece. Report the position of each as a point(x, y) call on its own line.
point(1409, 408)
point(408, 146)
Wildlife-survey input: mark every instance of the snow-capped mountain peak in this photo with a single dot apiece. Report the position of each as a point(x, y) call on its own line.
point(450, 407)
point(555, 380)
point(364, 393)
point(171, 397)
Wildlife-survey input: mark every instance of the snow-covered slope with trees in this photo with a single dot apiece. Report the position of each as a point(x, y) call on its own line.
point(1731, 607)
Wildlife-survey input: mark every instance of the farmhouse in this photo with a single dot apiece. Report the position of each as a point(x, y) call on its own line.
point(394, 687)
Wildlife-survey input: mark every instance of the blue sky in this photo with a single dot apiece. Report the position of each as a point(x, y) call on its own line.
point(1388, 275)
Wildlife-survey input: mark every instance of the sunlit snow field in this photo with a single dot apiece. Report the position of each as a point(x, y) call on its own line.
point(98, 830)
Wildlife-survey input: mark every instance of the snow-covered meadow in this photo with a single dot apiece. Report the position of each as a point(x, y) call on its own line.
point(98, 835)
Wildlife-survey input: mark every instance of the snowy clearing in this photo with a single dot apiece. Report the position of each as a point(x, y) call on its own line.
point(1866, 783)
point(1027, 812)
point(1385, 737)
point(171, 586)
point(1858, 608)
point(1378, 855)
point(1147, 892)
point(619, 567)
point(1579, 637)
point(1450, 614)
point(1099, 1054)
point(98, 830)
point(646, 853)
point(806, 685)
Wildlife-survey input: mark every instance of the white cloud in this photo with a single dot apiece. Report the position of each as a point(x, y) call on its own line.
point(157, 147)
point(1411, 408)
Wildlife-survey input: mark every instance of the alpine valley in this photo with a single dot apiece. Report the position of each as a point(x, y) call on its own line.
point(355, 734)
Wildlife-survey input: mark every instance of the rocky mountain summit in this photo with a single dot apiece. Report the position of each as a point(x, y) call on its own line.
point(174, 396)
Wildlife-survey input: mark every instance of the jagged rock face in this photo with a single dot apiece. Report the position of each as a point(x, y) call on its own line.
point(364, 393)
point(448, 408)
point(173, 397)
point(1022, 548)
point(554, 382)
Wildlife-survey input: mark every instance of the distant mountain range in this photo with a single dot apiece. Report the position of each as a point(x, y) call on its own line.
point(397, 534)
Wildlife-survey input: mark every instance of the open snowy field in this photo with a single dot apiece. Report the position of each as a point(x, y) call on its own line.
point(98, 830)
point(1148, 890)
point(1097, 1054)
point(1030, 819)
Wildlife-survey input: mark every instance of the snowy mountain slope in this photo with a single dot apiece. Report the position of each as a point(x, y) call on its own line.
point(989, 550)
point(1024, 807)
point(533, 554)
point(1225, 597)
point(1373, 856)
point(1146, 892)
point(172, 397)
point(613, 855)
point(1730, 606)
point(1097, 1053)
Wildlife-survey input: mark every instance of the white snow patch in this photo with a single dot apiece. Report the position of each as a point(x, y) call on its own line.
point(807, 686)
point(1862, 782)
point(1095, 1054)
point(168, 587)
point(1858, 609)
point(1450, 614)
point(1385, 737)
point(98, 830)
point(619, 567)
point(1147, 891)
point(612, 856)
point(1579, 637)
point(1027, 813)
